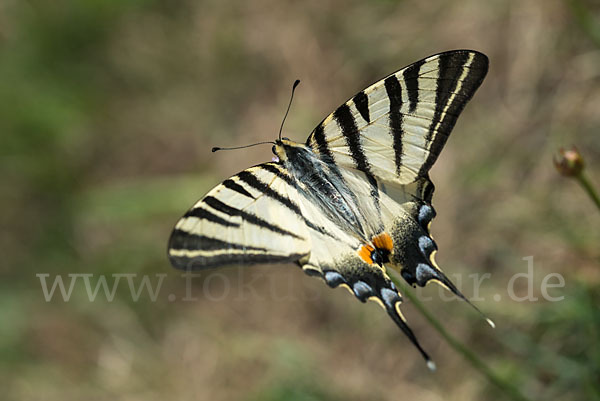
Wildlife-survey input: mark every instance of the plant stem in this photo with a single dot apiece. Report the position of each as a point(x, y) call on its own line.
point(473, 359)
point(587, 186)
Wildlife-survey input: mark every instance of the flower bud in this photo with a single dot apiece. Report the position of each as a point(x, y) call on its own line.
point(569, 162)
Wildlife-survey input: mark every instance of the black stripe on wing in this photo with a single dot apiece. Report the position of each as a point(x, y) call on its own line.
point(183, 240)
point(229, 183)
point(185, 263)
point(252, 180)
point(322, 149)
point(273, 169)
point(411, 79)
point(346, 122)
point(204, 214)
point(361, 101)
point(394, 92)
point(452, 94)
point(246, 216)
point(345, 119)
point(215, 252)
point(322, 146)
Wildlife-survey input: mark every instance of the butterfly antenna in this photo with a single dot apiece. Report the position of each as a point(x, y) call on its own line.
point(217, 148)
point(296, 82)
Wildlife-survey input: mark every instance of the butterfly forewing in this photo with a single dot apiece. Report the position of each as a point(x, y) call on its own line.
point(252, 217)
point(396, 128)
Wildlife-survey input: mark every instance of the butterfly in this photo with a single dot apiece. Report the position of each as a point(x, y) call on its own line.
point(354, 201)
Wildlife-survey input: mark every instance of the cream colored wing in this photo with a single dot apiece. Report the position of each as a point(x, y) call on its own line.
point(252, 217)
point(395, 129)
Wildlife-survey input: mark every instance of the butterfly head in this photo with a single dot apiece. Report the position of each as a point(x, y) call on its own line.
point(284, 147)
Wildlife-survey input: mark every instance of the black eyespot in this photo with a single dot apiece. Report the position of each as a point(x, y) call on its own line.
point(273, 150)
point(285, 138)
point(380, 256)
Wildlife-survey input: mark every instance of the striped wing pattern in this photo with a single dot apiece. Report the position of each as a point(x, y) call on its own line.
point(403, 120)
point(249, 218)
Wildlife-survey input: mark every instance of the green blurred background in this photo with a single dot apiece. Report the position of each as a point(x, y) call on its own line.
point(108, 113)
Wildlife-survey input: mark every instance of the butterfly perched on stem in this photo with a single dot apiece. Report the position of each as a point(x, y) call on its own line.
point(352, 202)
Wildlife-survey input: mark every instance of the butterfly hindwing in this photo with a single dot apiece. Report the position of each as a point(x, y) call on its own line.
point(367, 283)
point(405, 213)
point(337, 261)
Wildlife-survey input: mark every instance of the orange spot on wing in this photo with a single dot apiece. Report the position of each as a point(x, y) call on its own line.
point(365, 253)
point(383, 241)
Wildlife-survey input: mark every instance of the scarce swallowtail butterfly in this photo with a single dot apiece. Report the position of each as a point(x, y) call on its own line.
point(352, 202)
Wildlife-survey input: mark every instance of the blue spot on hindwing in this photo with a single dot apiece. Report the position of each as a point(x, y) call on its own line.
point(334, 279)
point(426, 245)
point(362, 290)
point(390, 297)
point(424, 273)
point(426, 214)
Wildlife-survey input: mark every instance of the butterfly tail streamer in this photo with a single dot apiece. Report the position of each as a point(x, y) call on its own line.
point(425, 272)
point(416, 257)
point(398, 318)
point(441, 279)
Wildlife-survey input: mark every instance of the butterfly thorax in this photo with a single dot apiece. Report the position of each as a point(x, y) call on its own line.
point(320, 182)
